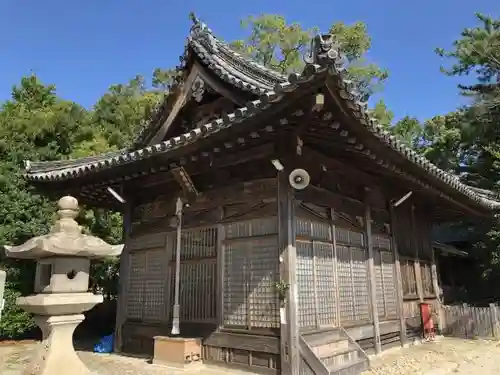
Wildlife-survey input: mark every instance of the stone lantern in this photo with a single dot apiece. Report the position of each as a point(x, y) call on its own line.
point(61, 286)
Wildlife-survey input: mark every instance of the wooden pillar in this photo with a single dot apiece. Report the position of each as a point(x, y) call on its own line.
point(371, 275)
point(435, 285)
point(288, 259)
point(169, 244)
point(416, 243)
point(397, 267)
point(123, 279)
point(333, 218)
point(220, 269)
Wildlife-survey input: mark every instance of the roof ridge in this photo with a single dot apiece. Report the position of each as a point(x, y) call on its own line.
point(201, 29)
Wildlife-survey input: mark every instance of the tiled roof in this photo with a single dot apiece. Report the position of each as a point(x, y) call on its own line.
point(231, 67)
point(324, 60)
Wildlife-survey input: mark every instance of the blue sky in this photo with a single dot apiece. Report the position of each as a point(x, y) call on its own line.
point(85, 46)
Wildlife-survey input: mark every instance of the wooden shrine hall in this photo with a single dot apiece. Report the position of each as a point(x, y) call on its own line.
point(269, 216)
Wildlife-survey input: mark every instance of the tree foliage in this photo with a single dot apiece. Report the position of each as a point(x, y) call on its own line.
point(281, 46)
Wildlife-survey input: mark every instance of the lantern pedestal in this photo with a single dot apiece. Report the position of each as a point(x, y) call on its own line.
point(58, 315)
point(56, 354)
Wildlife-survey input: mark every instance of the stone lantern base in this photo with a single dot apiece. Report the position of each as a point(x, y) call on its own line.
point(56, 353)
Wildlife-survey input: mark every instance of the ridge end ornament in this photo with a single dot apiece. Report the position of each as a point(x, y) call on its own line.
point(324, 50)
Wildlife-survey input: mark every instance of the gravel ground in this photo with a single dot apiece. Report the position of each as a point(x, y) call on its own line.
point(445, 356)
point(13, 358)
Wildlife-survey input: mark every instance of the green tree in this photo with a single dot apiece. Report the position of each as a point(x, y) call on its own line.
point(281, 46)
point(36, 125)
point(476, 54)
point(383, 114)
point(408, 130)
point(120, 113)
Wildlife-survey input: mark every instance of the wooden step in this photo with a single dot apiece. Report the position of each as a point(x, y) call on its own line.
point(329, 348)
point(321, 337)
point(355, 367)
point(340, 357)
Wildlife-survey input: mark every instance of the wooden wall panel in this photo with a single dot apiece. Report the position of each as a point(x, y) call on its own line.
point(198, 275)
point(251, 270)
point(325, 284)
point(146, 286)
point(353, 275)
point(385, 277)
point(305, 284)
point(316, 274)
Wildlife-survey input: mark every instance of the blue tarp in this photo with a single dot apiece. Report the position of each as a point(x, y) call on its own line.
point(105, 345)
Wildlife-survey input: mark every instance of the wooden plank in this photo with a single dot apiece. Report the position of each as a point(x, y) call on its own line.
point(350, 173)
point(311, 359)
point(124, 276)
point(220, 269)
point(148, 241)
point(168, 253)
point(371, 276)
point(257, 343)
point(290, 357)
point(180, 101)
point(319, 196)
point(397, 269)
point(366, 331)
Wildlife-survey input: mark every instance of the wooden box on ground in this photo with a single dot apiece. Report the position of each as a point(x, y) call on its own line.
point(176, 351)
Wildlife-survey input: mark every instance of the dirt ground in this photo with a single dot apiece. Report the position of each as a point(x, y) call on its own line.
point(445, 356)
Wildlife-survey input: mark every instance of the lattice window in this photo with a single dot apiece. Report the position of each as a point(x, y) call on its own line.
point(249, 228)
point(426, 272)
point(360, 283)
point(318, 230)
point(305, 285)
point(146, 286)
point(386, 285)
point(325, 284)
point(197, 243)
point(409, 280)
point(135, 288)
point(197, 291)
point(198, 274)
point(251, 269)
point(154, 294)
point(264, 272)
point(346, 291)
point(235, 288)
point(352, 275)
point(315, 274)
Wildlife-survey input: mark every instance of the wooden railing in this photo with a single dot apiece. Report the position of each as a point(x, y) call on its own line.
point(471, 321)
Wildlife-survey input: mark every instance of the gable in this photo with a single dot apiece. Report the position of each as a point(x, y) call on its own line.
point(208, 64)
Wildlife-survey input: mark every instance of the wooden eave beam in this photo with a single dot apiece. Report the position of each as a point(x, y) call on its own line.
point(221, 87)
point(181, 95)
point(335, 165)
point(156, 172)
point(184, 93)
